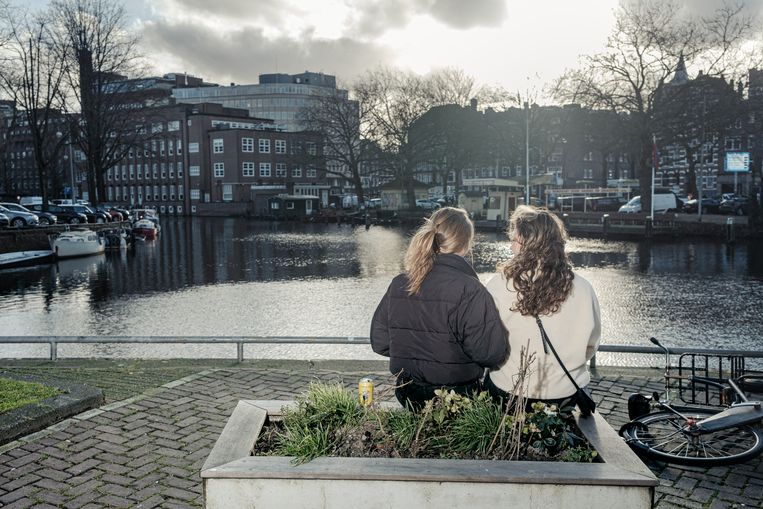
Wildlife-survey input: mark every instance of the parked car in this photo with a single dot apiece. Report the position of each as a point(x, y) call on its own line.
point(63, 215)
point(738, 205)
point(45, 218)
point(427, 204)
point(114, 215)
point(5, 222)
point(93, 216)
point(604, 203)
point(20, 219)
point(709, 205)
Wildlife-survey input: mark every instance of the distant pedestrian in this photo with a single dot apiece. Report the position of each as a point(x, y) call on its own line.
point(536, 289)
point(437, 323)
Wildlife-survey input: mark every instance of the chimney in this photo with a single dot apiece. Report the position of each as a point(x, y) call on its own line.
point(473, 103)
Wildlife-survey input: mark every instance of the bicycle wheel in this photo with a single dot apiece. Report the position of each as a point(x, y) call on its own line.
point(667, 437)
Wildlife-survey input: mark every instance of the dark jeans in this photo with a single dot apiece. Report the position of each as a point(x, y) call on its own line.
point(500, 395)
point(412, 394)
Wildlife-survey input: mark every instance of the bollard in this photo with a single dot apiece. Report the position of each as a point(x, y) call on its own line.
point(730, 230)
point(498, 224)
point(566, 221)
point(648, 227)
point(605, 224)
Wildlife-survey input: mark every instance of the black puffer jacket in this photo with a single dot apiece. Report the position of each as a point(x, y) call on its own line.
point(448, 333)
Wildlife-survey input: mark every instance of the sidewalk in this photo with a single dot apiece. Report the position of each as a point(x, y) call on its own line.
point(146, 451)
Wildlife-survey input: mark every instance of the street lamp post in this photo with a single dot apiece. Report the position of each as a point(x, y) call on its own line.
point(71, 172)
point(527, 153)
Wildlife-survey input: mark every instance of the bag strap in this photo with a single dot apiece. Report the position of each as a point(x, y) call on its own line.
point(546, 340)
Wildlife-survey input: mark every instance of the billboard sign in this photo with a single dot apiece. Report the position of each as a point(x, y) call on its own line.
point(737, 162)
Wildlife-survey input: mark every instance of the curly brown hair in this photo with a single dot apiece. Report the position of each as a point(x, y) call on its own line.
point(541, 272)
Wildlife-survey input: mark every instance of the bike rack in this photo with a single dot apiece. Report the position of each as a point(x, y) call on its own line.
point(718, 368)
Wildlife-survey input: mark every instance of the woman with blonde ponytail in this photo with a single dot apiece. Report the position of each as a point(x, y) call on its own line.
point(437, 323)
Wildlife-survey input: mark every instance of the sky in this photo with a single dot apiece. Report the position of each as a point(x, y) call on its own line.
point(520, 45)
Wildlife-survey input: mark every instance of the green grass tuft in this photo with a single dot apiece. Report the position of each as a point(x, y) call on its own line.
point(15, 394)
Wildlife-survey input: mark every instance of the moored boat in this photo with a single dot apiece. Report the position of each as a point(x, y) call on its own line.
point(146, 229)
point(20, 258)
point(78, 243)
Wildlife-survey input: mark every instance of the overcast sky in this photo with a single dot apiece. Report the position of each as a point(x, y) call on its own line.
point(516, 44)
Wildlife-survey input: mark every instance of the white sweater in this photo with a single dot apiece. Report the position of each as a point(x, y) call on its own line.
point(574, 330)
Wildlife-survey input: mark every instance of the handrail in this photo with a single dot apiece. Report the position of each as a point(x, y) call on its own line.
point(240, 341)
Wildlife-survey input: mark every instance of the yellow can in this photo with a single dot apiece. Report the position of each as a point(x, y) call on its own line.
point(366, 391)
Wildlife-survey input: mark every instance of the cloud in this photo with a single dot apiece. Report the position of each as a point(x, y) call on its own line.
point(374, 17)
point(241, 55)
point(708, 7)
point(271, 10)
point(465, 15)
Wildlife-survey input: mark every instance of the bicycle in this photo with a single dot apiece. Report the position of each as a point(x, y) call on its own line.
point(700, 436)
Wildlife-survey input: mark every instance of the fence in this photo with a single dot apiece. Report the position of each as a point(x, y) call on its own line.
point(240, 341)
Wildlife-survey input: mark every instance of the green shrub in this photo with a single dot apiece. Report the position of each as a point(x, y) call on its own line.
point(329, 421)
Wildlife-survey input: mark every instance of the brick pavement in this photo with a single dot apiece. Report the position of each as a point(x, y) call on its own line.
point(147, 451)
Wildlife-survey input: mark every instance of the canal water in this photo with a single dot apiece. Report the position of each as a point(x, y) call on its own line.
point(228, 277)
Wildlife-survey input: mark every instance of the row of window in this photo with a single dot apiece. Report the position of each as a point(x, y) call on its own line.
point(263, 145)
point(124, 193)
point(247, 170)
point(129, 171)
point(157, 147)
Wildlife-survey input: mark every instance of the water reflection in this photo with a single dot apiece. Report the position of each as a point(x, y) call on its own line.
point(210, 276)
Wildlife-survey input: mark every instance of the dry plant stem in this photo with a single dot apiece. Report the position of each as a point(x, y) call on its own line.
point(517, 405)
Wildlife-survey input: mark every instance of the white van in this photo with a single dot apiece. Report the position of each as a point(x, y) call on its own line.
point(663, 202)
point(30, 200)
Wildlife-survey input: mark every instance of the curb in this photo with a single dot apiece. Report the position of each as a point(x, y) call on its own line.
point(28, 419)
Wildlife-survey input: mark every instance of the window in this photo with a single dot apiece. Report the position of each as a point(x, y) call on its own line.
point(247, 144)
point(108, 175)
point(193, 148)
point(156, 193)
point(311, 148)
point(217, 146)
point(156, 175)
point(140, 172)
point(264, 146)
point(247, 169)
point(180, 192)
point(281, 170)
point(164, 170)
point(172, 192)
point(195, 194)
point(180, 169)
point(228, 192)
point(170, 147)
point(164, 193)
point(157, 127)
point(296, 171)
point(219, 170)
point(280, 146)
point(264, 169)
point(311, 173)
point(193, 171)
point(161, 147)
point(171, 168)
point(132, 172)
point(173, 125)
point(289, 205)
point(179, 146)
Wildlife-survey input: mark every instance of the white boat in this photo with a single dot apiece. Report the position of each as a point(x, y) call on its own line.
point(19, 258)
point(146, 229)
point(78, 243)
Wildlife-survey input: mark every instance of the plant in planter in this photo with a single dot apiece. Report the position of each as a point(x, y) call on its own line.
point(328, 421)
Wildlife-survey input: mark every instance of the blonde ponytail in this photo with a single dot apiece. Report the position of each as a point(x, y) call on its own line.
point(448, 230)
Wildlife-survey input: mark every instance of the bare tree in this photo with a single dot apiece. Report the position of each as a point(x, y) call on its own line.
point(395, 101)
point(641, 54)
point(340, 122)
point(33, 77)
point(102, 53)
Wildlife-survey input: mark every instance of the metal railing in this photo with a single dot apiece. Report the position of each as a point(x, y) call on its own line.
point(240, 341)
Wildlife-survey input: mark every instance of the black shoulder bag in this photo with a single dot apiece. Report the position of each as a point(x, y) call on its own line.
point(585, 402)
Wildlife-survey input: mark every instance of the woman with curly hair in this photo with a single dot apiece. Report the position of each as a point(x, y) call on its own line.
point(437, 323)
point(537, 290)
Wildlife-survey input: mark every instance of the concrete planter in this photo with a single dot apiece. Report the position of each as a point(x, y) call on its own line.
point(234, 478)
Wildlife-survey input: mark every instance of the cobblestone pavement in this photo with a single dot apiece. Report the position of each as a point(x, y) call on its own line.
point(147, 451)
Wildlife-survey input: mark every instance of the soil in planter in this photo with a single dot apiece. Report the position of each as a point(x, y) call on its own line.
point(328, 421)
